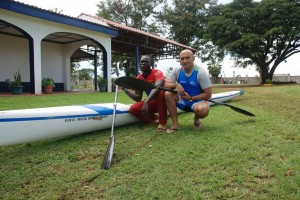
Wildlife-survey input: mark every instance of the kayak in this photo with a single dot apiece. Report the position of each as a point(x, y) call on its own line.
point(28, 125)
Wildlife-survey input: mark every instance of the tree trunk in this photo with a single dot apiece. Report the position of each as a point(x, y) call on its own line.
point(214, 79)
point(264, 74)
point(273, 70)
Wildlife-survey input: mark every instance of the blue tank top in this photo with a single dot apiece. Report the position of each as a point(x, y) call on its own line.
point(190, 84)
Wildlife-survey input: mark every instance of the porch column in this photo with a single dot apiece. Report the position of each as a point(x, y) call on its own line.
point(37, 66)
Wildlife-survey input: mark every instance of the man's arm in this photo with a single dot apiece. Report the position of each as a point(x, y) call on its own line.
point(207, 92)
point(152, 95)
point(135, 95)
point(154, 92)
point(170, 84)
point(173, 85)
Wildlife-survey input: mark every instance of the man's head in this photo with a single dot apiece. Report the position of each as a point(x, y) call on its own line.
point(145, 63)
point(187, 58)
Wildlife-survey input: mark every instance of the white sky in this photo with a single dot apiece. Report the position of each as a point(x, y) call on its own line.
point(75, 7)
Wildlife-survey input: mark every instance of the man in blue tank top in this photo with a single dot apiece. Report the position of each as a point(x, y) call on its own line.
point(193, 87)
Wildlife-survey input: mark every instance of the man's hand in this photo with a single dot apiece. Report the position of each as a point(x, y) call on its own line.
point(144, 111)
point(186, 96)
point(179, 89)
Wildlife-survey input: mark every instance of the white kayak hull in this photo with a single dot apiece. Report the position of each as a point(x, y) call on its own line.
point(28, 125)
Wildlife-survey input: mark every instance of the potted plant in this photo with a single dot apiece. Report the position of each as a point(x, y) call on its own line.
point(48, 85)
point(17, 87)
point(102, 83)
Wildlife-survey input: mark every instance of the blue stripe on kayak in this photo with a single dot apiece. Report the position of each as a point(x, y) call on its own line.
point(100, 110)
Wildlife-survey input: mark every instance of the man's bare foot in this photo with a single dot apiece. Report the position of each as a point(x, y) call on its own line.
point(161, 128)
point(172, 129)
point(197, 123)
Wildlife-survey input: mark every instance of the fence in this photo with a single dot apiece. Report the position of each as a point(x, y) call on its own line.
point(257, 80)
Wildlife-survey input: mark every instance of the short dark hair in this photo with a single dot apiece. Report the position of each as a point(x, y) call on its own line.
point(150, 58)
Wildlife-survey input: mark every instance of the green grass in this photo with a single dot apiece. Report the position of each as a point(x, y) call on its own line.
point(232, 157)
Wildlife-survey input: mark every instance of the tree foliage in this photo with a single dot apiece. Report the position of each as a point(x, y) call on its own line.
point(262, 34)
point(126, 64)
point(74, 67)
point(184, 19)
point(138, 14)
point(86, 74)
point(134, 13)
point(214, 68)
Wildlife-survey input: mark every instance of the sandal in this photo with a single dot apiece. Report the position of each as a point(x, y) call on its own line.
point(160, 129)
point(172, 130)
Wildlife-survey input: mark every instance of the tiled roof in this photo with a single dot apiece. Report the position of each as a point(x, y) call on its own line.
point(124, 27)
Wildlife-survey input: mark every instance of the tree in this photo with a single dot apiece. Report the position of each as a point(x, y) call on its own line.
point(262, 34)
point(134, 13)
point(184, 19)
point(214, 68)
point(56, 10)
point(86, 74)
point(74, 67)
point(138, 14)
point(126, 64)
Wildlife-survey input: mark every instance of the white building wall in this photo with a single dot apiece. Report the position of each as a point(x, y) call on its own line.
point(49, 59)
point(52, 61)
point(14, 55)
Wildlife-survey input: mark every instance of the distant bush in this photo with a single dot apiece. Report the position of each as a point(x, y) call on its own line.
point(283, 82)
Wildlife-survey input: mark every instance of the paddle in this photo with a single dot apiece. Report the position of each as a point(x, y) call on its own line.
point(137, 84)
point(110, 149)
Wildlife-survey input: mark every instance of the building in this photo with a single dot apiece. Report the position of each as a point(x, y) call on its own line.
point(41, 43)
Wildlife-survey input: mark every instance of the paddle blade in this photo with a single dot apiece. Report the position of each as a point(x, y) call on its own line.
point(241, 111)
point(233, 108)
point(134, 83)
point(109, 154)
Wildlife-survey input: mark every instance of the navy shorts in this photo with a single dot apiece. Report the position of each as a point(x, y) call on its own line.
point(185, 105)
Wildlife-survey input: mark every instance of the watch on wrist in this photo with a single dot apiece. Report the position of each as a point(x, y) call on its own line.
point(191, 99)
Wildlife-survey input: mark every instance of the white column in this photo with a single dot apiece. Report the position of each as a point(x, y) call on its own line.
point(109, 72)
point(37, 66)
point(67, 74)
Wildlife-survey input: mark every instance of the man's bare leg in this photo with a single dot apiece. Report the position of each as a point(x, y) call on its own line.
point(201, 111)
point(171, 100)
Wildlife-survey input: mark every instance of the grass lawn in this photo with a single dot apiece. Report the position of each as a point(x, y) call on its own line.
point(232, 157)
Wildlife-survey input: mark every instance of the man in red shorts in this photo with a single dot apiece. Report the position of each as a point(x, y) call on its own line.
point(155, 101)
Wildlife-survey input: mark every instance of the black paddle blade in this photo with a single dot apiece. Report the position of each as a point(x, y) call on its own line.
point(233, 108)
point(134, 83)
point(108, 154)
point(242, 111)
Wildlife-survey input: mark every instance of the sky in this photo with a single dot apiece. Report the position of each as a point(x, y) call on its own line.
point(74, 8)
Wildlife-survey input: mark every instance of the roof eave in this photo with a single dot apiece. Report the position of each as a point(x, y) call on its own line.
point(55, 17)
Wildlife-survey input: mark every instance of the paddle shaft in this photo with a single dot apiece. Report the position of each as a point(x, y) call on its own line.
point(137, 84)
point(110, 149)
point(212, 101)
